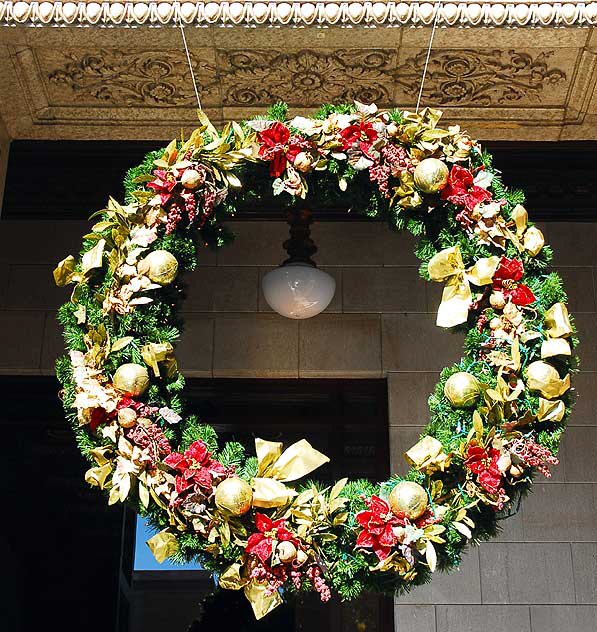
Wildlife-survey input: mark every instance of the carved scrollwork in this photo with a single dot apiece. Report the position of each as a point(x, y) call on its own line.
point(479, 77)
point(305, 77)
point(146, 78)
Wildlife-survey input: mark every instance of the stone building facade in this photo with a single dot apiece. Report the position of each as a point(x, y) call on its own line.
point(506, 71)
point(540, 575)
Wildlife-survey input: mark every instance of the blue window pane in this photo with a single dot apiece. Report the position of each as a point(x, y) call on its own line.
point(144, 559)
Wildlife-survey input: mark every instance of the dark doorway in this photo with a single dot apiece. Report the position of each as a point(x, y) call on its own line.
point(69, 558)
point(60, 544)
point(345, 419)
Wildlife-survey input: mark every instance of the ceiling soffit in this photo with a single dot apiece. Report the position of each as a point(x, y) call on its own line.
point(99, 83)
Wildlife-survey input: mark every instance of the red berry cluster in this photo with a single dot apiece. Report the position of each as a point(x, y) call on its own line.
point(533, 455)
point(150, 438)
point(316, 576)
point(275, 577)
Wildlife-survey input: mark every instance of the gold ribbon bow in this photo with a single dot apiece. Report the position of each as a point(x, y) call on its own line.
point(528, 238)
point(277, 467)
point(457, 297)
point(428, 455)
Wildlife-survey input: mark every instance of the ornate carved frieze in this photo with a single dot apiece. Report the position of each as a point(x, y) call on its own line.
point(136, 84)
point(306, 77)
point(119, 77)
point(365, 12)
point(479, 77)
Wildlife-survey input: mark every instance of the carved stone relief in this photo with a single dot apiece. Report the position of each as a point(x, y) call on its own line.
point(301, 78)
point(479, 77)
point(511, 90)
point(305, 77)
point(129, 78)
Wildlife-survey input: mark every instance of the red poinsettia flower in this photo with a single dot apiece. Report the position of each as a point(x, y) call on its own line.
point(377, 523)
point(270, 532)
point(362, 133)
point(506, 278)
point(462, 190)
point(98, 417)
point(163, 184)
point(279, 147)
point(483, 463)
point(195, 468)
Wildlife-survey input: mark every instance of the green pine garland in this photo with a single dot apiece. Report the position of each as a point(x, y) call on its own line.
point(347, 569)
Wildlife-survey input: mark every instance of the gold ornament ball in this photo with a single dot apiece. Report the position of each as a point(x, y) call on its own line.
point(301, 558)
point(303, 162)
point(495, 323)
point(431, 175)
point(234, 496)
point(160, 266)
point(191, 179)
point(462, 390)
point(409, 499)
point(286, 552)
point(504, 462)
point(127, 417)
point(393, 130)
point(497, 300)
point(131, 379)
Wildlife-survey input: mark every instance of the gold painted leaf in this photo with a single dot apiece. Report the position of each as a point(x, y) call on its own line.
point(92, 259)
point(431, 556)
point(337, 488)
point(163, 545)
point(65, 271)
point(121, 343)
point(478, 424)
point(461, 528)
point(233, 181)
point(143, 494)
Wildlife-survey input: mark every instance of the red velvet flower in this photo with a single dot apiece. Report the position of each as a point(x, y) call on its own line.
point(377, 523)
point(462, 190)
point(163, 184)
point(362, 133)
point(279, 147)
point(483, 463)
point(506, 278)
point(270, 532)
point(195, 468)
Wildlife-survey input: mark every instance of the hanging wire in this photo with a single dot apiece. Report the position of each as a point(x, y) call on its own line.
point(186, 48)
point(435, 20)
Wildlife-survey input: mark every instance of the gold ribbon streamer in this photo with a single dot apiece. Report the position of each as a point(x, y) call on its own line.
point(448, 266)
point(555, 347)
point(550, 410)
point(163, 545)
point(260, 601)
point(557, 321)
point(542, 377)
point(255, 592)
point(230, 579)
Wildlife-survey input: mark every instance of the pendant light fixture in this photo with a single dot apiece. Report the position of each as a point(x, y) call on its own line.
point(298, 289)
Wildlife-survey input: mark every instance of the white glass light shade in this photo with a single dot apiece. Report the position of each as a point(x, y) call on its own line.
point(298, 290)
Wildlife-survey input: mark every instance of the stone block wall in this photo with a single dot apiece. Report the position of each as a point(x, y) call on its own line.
point(540, 575)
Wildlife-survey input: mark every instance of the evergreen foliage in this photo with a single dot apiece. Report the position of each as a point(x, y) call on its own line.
point(159, 321)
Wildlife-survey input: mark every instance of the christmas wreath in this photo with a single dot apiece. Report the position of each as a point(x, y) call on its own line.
point(496, 416)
